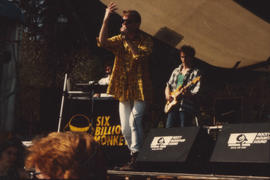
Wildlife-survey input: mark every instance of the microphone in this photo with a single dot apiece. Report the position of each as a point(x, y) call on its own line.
point(92, 82)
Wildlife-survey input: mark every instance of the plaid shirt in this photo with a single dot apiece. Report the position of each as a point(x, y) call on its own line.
point(186, 103)
point(130, 79)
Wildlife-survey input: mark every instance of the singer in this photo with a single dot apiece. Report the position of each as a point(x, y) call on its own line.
point(130, 82)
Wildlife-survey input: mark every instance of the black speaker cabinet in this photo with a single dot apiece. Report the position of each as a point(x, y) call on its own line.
point(180, 149)
point(243, 148)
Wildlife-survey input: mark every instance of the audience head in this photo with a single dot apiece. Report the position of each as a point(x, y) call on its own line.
point(11, 152)
point(66, 155)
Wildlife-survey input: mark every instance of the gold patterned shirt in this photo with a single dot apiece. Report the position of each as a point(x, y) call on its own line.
point(130, 78)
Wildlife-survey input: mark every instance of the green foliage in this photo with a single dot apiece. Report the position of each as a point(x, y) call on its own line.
point(85, 67)
point(33, 69)
point(85, 71)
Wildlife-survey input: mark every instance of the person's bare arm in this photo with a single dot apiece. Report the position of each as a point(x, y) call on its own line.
point(103, 34)
point(168, 93)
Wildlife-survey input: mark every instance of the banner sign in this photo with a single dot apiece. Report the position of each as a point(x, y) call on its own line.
point(99, 117)
point(107, 123)
point(108, 131)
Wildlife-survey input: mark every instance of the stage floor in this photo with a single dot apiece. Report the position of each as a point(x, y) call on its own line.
point(128, 175)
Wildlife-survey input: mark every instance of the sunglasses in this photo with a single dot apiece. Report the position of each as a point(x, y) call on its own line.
point(127, 21)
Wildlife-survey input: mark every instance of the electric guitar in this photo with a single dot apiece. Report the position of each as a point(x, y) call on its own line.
point(175, 94)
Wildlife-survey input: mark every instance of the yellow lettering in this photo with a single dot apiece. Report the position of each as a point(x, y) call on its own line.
point(97, 138)
point(121, 139)
point(102, 120)
point(102, 131)
point(97, 132)
point(98, 121)
point(105, 131)
point(107, 121)
point(103, 140)
point(113, 130)
point(118, 129)
point(109, 131)
point(111, 140)
point(115, 140)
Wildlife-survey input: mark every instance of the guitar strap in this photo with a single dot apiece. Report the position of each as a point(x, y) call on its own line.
point(187, 77)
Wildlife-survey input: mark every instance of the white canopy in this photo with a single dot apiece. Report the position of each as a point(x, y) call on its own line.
point(222, 32)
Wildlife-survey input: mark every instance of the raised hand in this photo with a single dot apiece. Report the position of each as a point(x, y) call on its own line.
point(112, 7)
point(103, 34)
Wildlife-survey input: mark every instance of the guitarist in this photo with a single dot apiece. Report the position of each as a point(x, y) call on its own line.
point(182, 114)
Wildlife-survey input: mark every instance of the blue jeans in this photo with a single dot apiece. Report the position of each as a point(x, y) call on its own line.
point(131, 114)
point(179, 119)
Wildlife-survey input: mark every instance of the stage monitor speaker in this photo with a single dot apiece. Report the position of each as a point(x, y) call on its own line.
point(243, 148)
point(168, 149)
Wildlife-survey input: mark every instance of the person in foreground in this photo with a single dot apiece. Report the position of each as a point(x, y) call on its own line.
point(181, 90)
point(11, 157)
point(130, 80)
point(66, 155)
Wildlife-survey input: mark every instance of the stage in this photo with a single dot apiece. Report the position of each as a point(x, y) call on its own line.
point(127, 175)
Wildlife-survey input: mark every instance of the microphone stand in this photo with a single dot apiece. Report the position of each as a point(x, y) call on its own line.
point(62, 103)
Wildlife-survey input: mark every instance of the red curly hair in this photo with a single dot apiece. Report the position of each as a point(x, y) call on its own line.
point(67, 155)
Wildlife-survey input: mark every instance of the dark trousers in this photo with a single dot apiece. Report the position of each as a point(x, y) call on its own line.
point(179, 119)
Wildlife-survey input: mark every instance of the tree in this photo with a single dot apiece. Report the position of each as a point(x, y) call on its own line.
point(59, 37)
